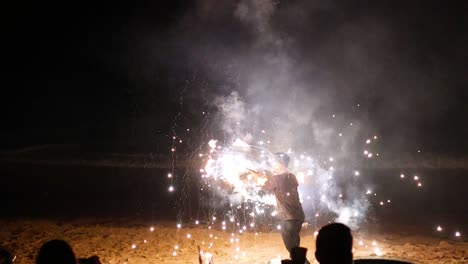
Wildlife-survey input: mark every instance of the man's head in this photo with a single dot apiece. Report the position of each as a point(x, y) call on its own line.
point(56, 252)
point(282, 159)
point(334, 244)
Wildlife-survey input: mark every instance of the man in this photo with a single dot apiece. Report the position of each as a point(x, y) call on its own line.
point(288, 206)
point(334, 245)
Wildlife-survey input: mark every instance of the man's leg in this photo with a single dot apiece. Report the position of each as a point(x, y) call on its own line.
point(290, 230)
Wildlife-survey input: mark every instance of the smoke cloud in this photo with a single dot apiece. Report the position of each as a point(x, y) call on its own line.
point(281, 108)
point(318, 77)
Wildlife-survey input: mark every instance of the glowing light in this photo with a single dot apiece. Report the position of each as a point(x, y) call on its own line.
point(419, 184)
point(152, 229)
point(189, 235)
point(172, 149)
point(169, 175)
point(133, 246)
point(388, 201)
point(360, 243)
point(369, 155)
point(366, 152)
point(315, 233)
point(368, 141)
point(176, 247)
point(171, 188)
point(378, 252)
point(144, 241)
point(416, 178)
point(300, 177)
point(375, 137)
point(368, 192)
point(356, 173)
point(439, 228)
point(179, 225)
point(174, 253)
point(402, 176)
point(457, 234)
point(197, 222)
point(278, 227)
point(331, 159)
point(340, 134)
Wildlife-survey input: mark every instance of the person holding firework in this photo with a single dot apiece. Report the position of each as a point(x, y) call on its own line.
point(288, 206)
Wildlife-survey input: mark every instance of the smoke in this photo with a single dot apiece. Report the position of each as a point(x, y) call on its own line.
point(279, 108)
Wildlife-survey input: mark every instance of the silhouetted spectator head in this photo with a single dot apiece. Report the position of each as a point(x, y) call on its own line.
point(334, 244)
point(56, 252)
point(282, 158)
point(5, 256)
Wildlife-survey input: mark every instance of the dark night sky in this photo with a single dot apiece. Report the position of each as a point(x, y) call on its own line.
point(111, 74)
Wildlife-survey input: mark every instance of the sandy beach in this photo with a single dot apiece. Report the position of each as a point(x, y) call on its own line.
point(133, 243)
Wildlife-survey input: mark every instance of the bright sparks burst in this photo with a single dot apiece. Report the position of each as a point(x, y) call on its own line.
point(235, 169)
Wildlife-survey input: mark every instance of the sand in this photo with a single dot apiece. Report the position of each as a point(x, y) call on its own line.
point(125, 242)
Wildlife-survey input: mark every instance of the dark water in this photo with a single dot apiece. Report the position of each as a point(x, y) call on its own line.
point(84, 191)
point(51, 191)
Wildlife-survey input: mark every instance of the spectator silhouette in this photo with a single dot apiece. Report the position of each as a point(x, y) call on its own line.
point(56, 252)
point(5, 256)
point(334, 244)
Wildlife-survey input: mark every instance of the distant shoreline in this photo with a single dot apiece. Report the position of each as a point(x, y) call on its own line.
point(74, 155)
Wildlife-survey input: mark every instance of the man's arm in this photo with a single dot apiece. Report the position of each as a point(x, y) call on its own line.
point(270, 184)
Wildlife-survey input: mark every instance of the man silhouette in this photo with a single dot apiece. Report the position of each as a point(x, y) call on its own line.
point(334, 245)
point(288, 206)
